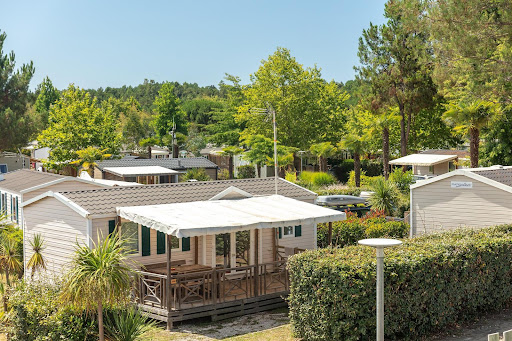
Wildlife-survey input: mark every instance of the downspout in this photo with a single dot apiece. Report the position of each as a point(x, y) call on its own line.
point(410, 213)
point(89, 233)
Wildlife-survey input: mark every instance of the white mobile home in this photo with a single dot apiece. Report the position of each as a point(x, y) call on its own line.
point(228, 239)
point(476, 197)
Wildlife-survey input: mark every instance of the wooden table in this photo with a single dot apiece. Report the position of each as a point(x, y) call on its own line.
point(182, 269)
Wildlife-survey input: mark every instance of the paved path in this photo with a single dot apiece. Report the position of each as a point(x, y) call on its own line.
point(478, 330)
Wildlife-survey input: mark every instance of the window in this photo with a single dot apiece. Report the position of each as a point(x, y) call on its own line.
point(3, 168)
point(431, 169)
point(288, 231)
point(161, 243)
point(130, 233)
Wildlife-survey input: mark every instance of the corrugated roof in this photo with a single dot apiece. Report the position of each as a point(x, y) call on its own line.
point(422, 159)
point(22, 179)
point(502, 175)
point(172, 163)
point(105, 201)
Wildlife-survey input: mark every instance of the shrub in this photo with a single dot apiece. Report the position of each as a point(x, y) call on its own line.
point(315, 179)
point(223, 174)
point(198, 174)
point(401, 179)
point(127, 324)
point(246, 172)
point(342, 170)
point(291, 176)
point(385, 196)
point(366, 181)
point(372, 167)
point(349, 231)
point(338, 189)
point(430, 282)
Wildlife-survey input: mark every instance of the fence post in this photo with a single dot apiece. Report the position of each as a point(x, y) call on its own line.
point(507, 336)
point(493, 337)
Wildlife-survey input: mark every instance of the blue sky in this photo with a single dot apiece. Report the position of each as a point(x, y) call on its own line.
point(113, 43)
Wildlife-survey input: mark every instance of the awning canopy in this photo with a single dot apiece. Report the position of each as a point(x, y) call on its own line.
point(200, 218)
point(422, 159)
point(140, 171)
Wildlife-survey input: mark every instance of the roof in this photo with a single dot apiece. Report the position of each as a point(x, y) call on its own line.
point(85, 176)
point(105, 201)
point(140, 171)
point(23, 179)
point(224, 216)
point(496, 176)
point(422, 159)
point(460, 153)
point(171, 163)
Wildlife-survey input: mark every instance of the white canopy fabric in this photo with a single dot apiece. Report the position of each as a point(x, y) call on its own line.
point(140, 171)
point(200, 218)
point(422, 159)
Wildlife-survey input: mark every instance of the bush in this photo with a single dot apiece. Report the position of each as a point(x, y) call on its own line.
point(338, 189)
point(37, 315)
point(372, 167)
point(315, 179)
point(349, 231)
point(127, 324)
point(223, 174)
point(291, 176)
point(246, 172)
point(401, 179)
point(366, 181)
point(385, 196)
point(198, 174)
point(342, 170)
point(430, 282)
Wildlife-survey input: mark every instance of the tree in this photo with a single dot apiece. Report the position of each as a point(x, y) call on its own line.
point(323, 150)
point(135, 123)
point(231, 151)
point(469, 119)
point(36, 261)
point(16, 125)
point(300, 97)
point(87, 158)
point(99, 276)
point(77, 122)
point(261, 152)
point(497, 137)
point(198, 174)
point(48, 96)
point(168, 113)
point(148, 143)
point(10, 259)
point(395, 63)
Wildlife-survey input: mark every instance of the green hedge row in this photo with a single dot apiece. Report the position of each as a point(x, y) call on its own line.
point(430, 282)
point(348, 232)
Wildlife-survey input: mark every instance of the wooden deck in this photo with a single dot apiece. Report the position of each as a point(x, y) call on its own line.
point(219, 293)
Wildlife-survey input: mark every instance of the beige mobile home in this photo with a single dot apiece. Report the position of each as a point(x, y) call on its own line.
point(475, 197)
point(219, 248)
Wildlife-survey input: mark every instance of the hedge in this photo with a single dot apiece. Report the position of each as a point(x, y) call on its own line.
point(430, 282)
point(348, 232)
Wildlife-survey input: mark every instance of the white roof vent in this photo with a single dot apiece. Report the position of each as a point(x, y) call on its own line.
point(497, 166)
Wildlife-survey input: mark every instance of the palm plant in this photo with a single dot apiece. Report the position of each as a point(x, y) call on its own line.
point(99, 276)
point(36, 261)
point(323, 151)
point(127, 325)
point(231, 151)
point(10, 260)
point(87, 158)
point(385, 196)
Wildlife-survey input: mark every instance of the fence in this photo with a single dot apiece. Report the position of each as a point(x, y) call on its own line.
point(507, 336)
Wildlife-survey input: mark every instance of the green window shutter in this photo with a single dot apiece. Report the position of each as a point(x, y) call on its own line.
point(298, 230)
point(146, 243)
point(17, 211)
point(185, 244)
point(280, 232)
point(12, 207)
point(111, 226)
point(160, 243)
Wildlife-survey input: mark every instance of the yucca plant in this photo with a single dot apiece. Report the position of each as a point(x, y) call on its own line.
point(99, 276)
point(36, 261)
point(127, 325)
point(385, 196)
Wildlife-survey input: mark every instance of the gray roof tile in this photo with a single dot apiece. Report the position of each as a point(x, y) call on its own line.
point(503, 176)
point(173, 163)
point(22, 179)
point(104, 201)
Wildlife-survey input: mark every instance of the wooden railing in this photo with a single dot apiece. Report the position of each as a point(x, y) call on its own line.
point(212, 287)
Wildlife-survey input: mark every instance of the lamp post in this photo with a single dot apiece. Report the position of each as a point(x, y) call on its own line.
point(270, 111)
point(301, 152)
point(380, 244)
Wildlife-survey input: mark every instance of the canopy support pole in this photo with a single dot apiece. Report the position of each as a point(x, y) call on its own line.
point(168, 283)
point(196, 250)
point(256, 261)
point(330, 233)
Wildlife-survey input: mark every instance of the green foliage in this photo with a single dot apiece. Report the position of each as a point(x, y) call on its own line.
point(323, 150)
point(385, 196)
point(16, 123)
point(342, 169)
point(315, 179)
point(168, 112)
point(246, 172)
point(37, 315)
point(37, 260)
point(87, 158)
point(127, 324)
point(349, 231)
point(11, 251)
point(223, 174)
point(497, 139)
point(198, 174)
point(48, 96)
point(300, 97)
point(261, 151)
point(430, 282)
point(366, 181)
point(401, 179)
point(135, 123)
point(338, 189)
point(199, 110)
point(291, 176)
point(372, 167)
point(78, 121)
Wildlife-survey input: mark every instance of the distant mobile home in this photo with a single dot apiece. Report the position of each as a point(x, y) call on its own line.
point(476, 197)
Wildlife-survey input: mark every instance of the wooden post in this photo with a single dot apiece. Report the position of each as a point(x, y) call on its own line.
point(330, 234)
point(196, 250)
point(507, 336)
point(168, 298)
point(256, 261)
point(274, 245)
point(493, 337)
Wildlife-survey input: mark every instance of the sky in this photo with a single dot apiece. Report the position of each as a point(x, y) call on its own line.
point(114, 43)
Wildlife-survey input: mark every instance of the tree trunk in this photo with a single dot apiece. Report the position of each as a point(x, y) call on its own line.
point(385, 151)
point(149, 152)
point(357, 169)
point(474, 143)
point(7, 281)
point(231, 157)
point(258, 169)
point(403, 136)
point(100, 322)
